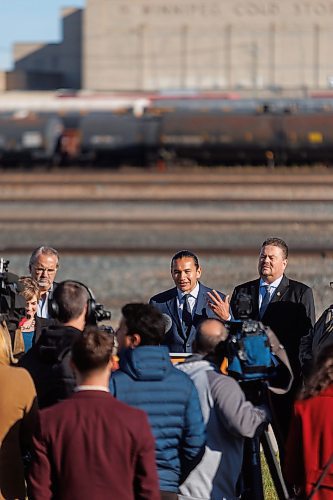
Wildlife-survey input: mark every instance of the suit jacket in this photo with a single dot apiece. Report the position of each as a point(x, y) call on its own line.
point(320, 336)
point(166, 302)
point(92, 446)
point(290, 313)
point(310, 444)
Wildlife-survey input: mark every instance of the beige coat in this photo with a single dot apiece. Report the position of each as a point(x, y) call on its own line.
point(18, 410)
point(10, 354)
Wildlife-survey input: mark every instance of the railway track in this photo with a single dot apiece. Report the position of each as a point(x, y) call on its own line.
point(221, 175)
point(218, 211)
point(173, 176)
point(143, 213)
point(159, 187)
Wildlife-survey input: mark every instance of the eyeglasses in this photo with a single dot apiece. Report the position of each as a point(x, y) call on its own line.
point(41, 270)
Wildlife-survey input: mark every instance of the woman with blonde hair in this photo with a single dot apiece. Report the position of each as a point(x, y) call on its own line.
point(309, 453)
point(18, 411)
point(29, 324)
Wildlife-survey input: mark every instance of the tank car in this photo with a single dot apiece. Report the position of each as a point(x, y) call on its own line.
point(112, 137)
point(220, 132)
point(29, 137)
point(307, 133)
point(245, 131)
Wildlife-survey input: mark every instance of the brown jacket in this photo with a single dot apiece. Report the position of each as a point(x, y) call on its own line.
point(18, 411)
point(15, 346)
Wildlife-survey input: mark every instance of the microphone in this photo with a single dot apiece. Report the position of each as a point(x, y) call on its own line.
point(167, 322)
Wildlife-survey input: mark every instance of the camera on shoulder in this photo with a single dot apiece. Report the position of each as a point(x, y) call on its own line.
point(12, 304)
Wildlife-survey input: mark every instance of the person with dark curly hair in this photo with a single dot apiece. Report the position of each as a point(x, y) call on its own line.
point(309, 452)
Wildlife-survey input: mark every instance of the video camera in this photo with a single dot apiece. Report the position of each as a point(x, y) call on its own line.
point(249, 349)
point(12, 304)
point(101, 314)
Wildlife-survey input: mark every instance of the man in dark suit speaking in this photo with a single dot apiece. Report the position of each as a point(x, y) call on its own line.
point(187, 303)
point(286, 306)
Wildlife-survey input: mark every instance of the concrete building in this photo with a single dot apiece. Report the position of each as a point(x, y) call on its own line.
point(40, 66)
point(148, 45)
point(210, 44)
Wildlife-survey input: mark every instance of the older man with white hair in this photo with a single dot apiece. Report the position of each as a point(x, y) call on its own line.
point(43, 267)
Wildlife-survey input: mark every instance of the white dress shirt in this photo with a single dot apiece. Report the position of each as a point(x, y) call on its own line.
point(192, 299)
point(263, 287)
point(43, 304)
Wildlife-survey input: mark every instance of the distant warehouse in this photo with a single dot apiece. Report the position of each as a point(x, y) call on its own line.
point(146, 45)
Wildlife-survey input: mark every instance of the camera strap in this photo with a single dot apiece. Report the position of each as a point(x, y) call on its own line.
point(279, 351)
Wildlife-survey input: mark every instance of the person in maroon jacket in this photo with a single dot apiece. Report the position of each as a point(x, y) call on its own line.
point(92, 446)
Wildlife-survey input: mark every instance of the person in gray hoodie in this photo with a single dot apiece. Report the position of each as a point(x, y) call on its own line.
point(229, 418)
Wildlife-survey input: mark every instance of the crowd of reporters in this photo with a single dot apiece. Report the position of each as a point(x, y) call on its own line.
point(186, 437)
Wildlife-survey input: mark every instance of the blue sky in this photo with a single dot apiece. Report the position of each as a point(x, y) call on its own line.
point(29, 21)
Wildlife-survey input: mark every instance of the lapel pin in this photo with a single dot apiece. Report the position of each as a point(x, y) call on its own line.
point(278, 294)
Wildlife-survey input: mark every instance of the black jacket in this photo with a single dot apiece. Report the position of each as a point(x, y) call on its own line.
point(320, 336)
point(48, 364)
point(41, 324)
point(290, 313)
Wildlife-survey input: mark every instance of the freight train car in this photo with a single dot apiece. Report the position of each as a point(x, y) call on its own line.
point(306, 137)
point(111, 137)
point(201, 131)
point(216, 135)
point(246, 131)
point(29, 137)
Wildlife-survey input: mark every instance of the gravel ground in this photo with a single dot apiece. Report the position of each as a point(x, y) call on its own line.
point(118, 279)
point(122, 250)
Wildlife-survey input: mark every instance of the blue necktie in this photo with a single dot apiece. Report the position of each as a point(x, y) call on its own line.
point(265, 301)
point(186, 315)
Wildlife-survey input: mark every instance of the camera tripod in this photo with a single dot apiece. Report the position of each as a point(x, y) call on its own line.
point(256, 392)
point(252, 474)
